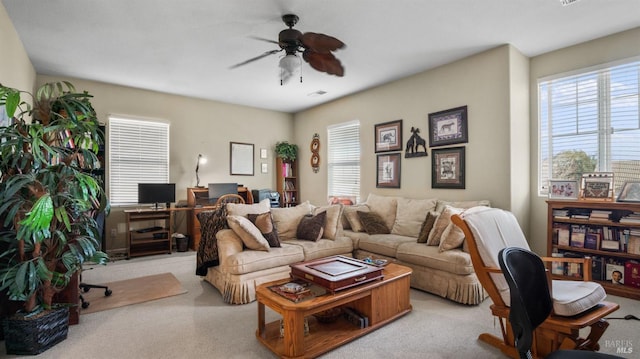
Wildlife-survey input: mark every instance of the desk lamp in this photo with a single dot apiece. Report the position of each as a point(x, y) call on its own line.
point(203, 160)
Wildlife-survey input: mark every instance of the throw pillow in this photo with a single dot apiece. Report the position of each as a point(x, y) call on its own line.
point(311, 227)
point(287, 219)
point(354, 221)
point(385, 206)
point(239, 209)
point(444, 219)
point(373, 223)
point(264, 223)
point(452, 237)
point(332, 227)
point(410, 215)
point(248, 233)
point(427, 225)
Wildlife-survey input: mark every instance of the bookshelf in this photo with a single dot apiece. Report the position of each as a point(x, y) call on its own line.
point(608, 232)
point(287, 182)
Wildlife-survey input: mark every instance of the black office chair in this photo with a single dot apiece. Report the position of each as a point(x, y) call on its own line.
point(85, 287)
point(531, 302)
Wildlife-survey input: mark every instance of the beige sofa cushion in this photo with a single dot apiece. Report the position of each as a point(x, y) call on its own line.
point(384, 244)
point(461, 204)
point(287, 219)
point(453, 261)
point(324, 247)
point(253, 261)
point(451, 238)
point(248, 233)
point(385, 206)
point(410, 214)
point(333, 226)
point(238, 209)
point(350, 213)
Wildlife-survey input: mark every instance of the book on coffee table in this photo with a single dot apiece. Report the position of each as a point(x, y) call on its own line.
point(298, 290)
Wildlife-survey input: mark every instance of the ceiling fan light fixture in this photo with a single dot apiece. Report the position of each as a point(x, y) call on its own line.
point(290, 66)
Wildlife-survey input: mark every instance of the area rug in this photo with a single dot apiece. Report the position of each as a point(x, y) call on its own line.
point(133, 291)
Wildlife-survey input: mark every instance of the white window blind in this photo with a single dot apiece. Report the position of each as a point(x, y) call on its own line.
point(138, 153)
point(343, 162)
point(589, 122)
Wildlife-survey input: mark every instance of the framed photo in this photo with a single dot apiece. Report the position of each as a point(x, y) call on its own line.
point(388, 136)
point(264, 168)
point(630, 192)
point(241, 159)
point(388, 171)
point(263, 153)
point(563, 189)
point(448, 127)
point(597, 186)
point(447, 168)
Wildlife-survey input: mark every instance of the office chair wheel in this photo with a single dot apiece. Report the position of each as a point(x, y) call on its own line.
point(85, 289)
point(85, 305)
point(107, 292)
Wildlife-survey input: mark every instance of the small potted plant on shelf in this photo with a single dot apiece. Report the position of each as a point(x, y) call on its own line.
point(49, 198)
point(287, 151)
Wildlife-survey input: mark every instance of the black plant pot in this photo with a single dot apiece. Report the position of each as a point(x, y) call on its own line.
point(31, 335)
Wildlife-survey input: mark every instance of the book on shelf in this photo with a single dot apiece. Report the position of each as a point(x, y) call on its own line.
point(597, 268)
point(615, 273)
point(633, 245)
point(356, 318)
point(599, 215)
point(577, 236)
point(557, 267)
point(573, 269)
point(592, 238)
point(632, 273)
point(561, 214)
point(564, 233)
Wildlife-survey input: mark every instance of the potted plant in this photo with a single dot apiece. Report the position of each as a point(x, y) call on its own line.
point(48, 202)
point(287, 151)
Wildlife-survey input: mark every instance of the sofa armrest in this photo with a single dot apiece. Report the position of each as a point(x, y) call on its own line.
point(228, 244)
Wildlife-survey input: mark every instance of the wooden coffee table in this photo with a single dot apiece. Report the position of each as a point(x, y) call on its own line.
point(382, 301)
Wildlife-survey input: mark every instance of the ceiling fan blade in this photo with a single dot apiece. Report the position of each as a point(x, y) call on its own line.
point(263, 39)
point(324, 62)
point(255, 58)
point(320, 42)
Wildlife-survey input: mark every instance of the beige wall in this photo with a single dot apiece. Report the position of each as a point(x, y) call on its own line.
point(196, 126)
point(607, 49)
point(482, 82)
point(15, 67)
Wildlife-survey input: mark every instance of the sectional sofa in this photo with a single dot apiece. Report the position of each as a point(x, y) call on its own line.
point(417, 233)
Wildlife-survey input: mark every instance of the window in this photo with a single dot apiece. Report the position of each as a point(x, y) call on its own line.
point(589, 122)
point(138, 153)
point(343, 162)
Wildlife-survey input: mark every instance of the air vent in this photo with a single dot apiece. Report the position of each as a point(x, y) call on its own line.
point(317, 93)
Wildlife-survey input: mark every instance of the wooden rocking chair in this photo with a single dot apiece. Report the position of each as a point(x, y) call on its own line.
point(577, 304)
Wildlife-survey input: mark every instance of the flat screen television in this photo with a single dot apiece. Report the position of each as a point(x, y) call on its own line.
point(156, 193)
point(217, 190)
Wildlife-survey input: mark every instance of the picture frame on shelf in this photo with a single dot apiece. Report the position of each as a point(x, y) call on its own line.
point(448, 168)
point(388, 136)
point(597, 186)
point(388, 171)
point(630, 192)
point(448, 127)
point(241, 159)
point(563, 189)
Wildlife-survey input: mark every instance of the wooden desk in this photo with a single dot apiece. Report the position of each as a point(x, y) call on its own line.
point(382, 301)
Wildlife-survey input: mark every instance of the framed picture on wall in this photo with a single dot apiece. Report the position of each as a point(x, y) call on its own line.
point(388, 171)
point(241, 161)
point(447, 168)
point(388, 136)
point(448, 127)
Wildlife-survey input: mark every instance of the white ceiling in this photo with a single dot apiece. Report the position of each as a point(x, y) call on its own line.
point(186, 47)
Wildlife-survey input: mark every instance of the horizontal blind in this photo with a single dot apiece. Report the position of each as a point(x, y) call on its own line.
point(138, 153)
point(590, 122)
point(343, 162)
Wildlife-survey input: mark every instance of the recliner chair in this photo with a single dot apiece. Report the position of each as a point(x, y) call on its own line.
point(531, 303)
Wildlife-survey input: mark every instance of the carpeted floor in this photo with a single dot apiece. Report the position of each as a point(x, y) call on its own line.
point(133, 291)
point(198, 324)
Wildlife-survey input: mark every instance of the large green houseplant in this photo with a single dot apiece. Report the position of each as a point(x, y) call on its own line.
point(48, 195)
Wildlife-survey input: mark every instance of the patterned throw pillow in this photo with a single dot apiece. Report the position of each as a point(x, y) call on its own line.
point(427, 225)
point(373, 223)
point(444, 219)
point(264, 222)
point(311, 227)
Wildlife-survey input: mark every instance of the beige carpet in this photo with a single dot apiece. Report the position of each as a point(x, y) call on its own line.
point(133, 291)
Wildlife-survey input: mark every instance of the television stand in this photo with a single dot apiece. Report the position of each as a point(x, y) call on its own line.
point(149, 231)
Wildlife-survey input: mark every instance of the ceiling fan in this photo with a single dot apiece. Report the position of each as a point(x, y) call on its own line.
point(316, 50)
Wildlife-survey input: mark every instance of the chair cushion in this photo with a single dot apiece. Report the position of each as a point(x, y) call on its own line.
point(574, 297)
point(494, 229)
